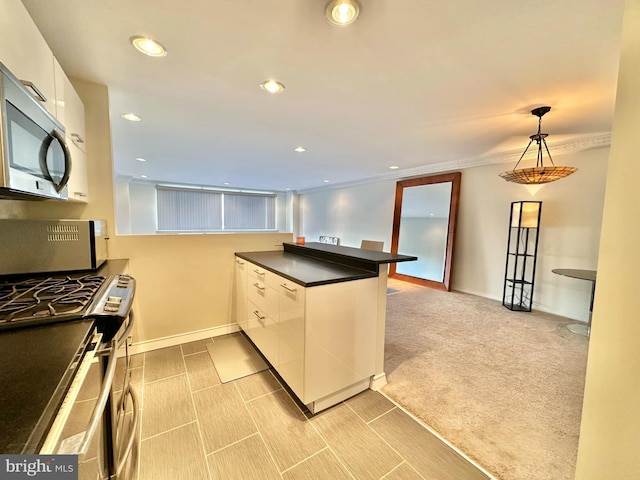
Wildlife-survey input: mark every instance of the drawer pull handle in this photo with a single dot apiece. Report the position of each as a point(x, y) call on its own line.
point(260, 319)
point(284, 285)
point(76, 138)
point(258, 286)
point(258, 271)
point(34, 89)
point(239, 262)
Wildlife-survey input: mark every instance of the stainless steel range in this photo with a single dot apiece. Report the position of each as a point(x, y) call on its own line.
point(52, 327)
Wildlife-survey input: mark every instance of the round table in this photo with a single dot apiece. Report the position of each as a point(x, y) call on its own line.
point(589, 275)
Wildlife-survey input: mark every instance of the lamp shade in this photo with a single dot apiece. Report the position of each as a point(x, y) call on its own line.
point(525, 214)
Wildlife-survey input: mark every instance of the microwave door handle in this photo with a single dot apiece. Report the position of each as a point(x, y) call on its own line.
point(67, 161)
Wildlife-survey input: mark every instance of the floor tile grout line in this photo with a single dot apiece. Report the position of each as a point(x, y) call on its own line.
point(305, 459)
point(373, 430)
point(166, 378)
point(344, 465)
point(386, 475)
point(489, 475)
point(169, 430)
point(260, 396)
point(195, 412)
point(244, 404)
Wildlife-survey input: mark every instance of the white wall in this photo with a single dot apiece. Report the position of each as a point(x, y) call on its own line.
point(362, 212)
point(569, 235)
point(610, 429)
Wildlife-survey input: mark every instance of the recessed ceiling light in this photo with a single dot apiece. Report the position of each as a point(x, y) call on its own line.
point(132, 117)
point(299, 149)
point(394, 167)
point(140, 159)
point(148, 46)
point(143, 176)
point(272, 86)
point(342, 12)
point(326, 181)
point(226, 183)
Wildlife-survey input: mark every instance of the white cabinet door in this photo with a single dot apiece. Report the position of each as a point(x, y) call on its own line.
point(291, 336)
point(24, 51)
point(340, 336)
point(70, 112)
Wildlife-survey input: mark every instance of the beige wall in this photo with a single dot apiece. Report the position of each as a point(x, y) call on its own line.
point(610, 430)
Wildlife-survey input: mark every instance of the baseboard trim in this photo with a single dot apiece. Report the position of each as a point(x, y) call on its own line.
point(149, 345)
point(378, 381)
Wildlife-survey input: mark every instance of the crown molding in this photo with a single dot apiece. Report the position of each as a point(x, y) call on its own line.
point(560, 148)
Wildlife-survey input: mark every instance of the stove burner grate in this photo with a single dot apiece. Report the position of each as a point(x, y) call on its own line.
point(45, 298)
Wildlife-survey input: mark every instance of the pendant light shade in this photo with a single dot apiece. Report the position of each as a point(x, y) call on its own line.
point(540, 173)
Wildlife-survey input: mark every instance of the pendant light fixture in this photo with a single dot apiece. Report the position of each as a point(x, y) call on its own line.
point(540, 173)
point(342, 12)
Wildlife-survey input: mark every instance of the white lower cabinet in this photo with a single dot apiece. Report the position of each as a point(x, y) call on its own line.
point(239, 304)
point(321, 340)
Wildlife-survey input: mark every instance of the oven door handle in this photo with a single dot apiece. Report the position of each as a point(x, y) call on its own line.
point(124, 455)
point(102, 399)
point(127, 330)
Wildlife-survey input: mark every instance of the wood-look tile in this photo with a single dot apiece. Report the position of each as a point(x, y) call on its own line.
point(136, 361)
point(369, 405)
point(195, 347)
point(163, 363)
point(202, 373)
point(167, 404)
point(425, 452)
point(356, 445)
point(222, 416)
point(286, 431)
point(257, 384)
point(247, 459)
point(135, 379)
point(404, 472)
point(173, 455)
point(323, 465)
point(87, 470)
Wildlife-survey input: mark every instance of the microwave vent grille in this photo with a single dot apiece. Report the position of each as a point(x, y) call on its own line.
point(62, 233)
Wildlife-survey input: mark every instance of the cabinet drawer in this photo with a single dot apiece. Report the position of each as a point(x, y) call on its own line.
point(263, 296)
point(263, 331)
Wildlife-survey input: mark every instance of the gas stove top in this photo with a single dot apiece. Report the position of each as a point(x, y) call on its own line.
point(33, 301)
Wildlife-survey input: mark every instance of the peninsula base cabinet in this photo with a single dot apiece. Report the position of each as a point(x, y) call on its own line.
point(321, 339)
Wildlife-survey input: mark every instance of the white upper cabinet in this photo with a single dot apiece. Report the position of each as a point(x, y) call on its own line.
point(24, 51)
point(70, 112)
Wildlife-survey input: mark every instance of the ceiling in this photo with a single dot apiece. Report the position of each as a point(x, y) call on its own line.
point(421, 84)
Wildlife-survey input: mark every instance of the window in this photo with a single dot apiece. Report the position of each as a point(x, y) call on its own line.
point(185, 209)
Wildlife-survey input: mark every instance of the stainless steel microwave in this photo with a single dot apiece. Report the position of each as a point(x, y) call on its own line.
point(37, 246)
point(34, 160)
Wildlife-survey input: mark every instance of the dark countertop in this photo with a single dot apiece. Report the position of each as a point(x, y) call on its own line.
point(305, 271)
point(339, 253)
point(35, 375)
point(316, 264)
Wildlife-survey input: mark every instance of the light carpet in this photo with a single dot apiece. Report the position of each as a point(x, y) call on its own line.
point(504, 387)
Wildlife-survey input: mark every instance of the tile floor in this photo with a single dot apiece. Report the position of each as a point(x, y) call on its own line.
point(194, 427)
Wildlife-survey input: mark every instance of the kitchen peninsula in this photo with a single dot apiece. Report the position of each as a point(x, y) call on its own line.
point(317, 313)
